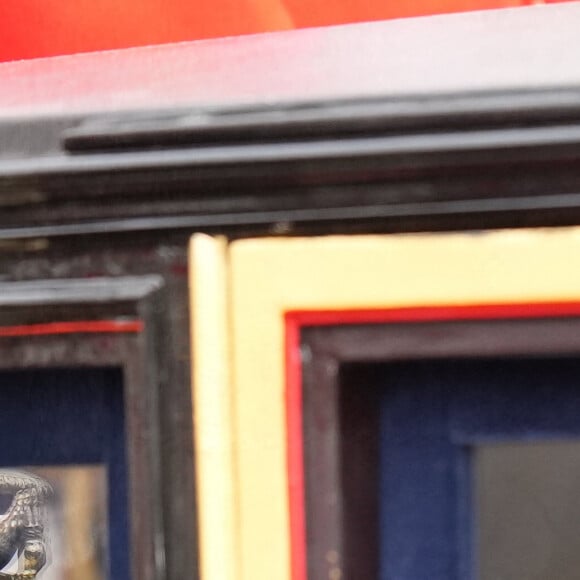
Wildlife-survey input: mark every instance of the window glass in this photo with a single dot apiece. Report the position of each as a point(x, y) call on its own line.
point(528, 510)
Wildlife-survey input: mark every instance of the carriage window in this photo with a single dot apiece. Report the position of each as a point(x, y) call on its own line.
point(528, 508)
point(479, 469)
point(63, 498)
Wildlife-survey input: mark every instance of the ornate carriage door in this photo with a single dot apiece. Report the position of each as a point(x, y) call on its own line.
point(361, 403)
point(81, 366)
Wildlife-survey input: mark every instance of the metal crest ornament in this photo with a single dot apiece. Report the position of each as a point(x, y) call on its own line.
point(23, 525)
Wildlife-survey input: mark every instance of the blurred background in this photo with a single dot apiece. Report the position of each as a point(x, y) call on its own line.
point(38, 28)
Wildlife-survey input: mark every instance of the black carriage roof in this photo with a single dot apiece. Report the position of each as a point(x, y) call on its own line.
point(498, 50)
point(388, 123)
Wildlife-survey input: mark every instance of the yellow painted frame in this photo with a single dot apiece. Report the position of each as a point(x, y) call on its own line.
point(268, 278)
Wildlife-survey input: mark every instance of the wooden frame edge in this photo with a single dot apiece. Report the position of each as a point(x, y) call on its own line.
point(314, 390)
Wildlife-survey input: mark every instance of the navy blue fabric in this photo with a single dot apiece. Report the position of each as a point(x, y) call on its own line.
point(432, 413)
point(67, 417)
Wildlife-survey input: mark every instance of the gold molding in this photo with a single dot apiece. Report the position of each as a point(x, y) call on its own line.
point(270, 277)
point(213, 409)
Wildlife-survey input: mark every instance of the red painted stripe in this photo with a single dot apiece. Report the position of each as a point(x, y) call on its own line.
point(294, 321)
point(295, 449)
point(73, 327)
point(434, 313)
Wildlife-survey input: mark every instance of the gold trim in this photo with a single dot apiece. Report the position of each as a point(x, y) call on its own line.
point(213, 412)
point(270, 277)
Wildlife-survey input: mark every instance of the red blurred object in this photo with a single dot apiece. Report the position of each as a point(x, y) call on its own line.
point(37, 28)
